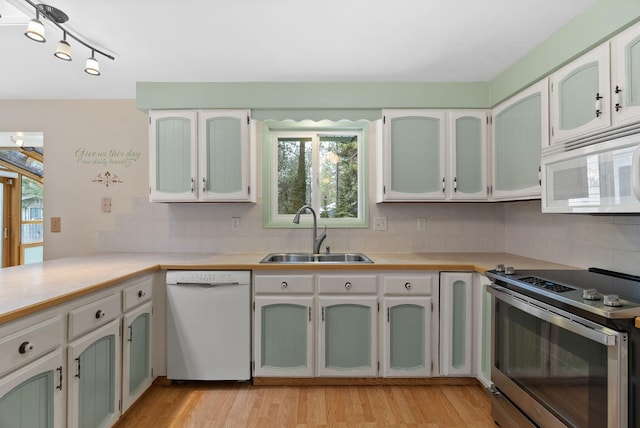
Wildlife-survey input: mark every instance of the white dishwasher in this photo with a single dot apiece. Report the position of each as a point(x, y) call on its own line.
point(208, 325)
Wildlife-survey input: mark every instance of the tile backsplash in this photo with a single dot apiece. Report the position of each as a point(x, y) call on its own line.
point(610, 242)
point(203, 227)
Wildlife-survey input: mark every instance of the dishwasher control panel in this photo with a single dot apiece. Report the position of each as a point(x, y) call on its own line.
point(208, 277)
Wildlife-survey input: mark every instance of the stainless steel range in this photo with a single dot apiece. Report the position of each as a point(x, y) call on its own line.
point(565, 348)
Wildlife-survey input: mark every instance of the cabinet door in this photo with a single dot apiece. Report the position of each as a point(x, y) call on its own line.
point(407, 337)
point(482, 328)
point(283, 332)
point(173, 155)
point(468, 155)
point(625, 79)
point(520, 129)
point(580, 100)
point(32, 397)
point(455, 324)
point(136, 354)
point(94, 378)
point(413, 155)
point(347, 336)
point(223, 139)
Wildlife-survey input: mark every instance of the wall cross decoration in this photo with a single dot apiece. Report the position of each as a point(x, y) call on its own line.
point(107, 179)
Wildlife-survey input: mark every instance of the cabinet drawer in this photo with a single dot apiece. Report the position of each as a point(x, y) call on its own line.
point(93, 315)
point(137, 293)
point(408, 284)
point(26, 345)
point(284, 283)
point(354, 284)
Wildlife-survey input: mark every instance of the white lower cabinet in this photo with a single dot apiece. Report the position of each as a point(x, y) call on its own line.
point(408, 325)
point(482, 328)
point(94, 378)
point(283, 329)
point(407, 337)
point(136, 354)
point(455, 323)
point(33, 396)
point(347, 336)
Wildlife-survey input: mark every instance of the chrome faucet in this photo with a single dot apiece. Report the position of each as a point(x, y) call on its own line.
point(317, 240)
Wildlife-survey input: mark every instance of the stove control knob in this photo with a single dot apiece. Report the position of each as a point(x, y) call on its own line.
point(590, 294)
point(611, 300)
point(509, 270)
point(500, 268)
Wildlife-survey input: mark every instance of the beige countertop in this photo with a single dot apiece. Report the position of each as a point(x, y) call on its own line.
point(31, 288)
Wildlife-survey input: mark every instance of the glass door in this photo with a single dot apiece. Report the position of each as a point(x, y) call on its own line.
point(573, 368)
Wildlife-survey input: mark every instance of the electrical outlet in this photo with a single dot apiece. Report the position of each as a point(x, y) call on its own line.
point(421, 223)
point(55, 224)
point(106, 205)
point(379, 223)
point(235, 223)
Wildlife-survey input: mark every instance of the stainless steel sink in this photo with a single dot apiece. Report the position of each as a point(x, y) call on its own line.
point(316, 258)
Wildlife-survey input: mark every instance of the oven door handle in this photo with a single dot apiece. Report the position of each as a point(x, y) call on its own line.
point(603, 335)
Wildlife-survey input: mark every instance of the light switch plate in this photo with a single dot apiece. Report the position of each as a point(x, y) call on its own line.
point(235, 223)
point(55, 224)
point(106, 205)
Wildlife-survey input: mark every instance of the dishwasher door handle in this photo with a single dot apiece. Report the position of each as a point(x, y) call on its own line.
point(208, 284)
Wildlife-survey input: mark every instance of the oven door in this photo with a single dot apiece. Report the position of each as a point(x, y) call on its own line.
point(557, 368)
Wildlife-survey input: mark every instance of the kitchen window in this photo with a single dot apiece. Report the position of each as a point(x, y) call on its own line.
point(322, 167)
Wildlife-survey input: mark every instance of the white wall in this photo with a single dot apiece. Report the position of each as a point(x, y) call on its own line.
point(106, 126)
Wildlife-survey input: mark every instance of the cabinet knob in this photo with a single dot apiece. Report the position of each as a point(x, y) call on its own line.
point(284, 284)
point(347, 285)
point(408, 286)
point(25, 347)
point(141, 294)
point(100, 314)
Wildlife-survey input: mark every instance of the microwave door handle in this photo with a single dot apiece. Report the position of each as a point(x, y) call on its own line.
point(635, 172)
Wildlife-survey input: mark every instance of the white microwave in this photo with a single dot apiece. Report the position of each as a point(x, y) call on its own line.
point(599, 178)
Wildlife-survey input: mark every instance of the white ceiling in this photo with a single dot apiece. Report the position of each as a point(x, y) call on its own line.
point(272, 41)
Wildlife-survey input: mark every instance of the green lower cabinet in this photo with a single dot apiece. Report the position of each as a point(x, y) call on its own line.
point(136, 367)
point(456, 323)
point(284, 336)
point(94, 378)
point(32, 397)
point(347, 333)
point(407, 337)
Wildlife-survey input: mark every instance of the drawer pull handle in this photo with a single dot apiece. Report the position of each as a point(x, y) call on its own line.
point(408, 286)
point(141, 294)
point(284, 284)
point(100, 314)
point(347, 285)
point(25, 347)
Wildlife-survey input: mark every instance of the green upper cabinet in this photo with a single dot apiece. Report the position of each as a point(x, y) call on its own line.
point(467, 173)
point(625, 76)
point(433, 155)
point(203, 155)
point(413, 155)
point(520, 130)
point(580, 96)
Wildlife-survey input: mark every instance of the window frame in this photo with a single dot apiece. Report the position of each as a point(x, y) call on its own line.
point(271, 130)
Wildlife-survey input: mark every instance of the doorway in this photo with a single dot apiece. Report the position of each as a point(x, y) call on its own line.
point(21, 197)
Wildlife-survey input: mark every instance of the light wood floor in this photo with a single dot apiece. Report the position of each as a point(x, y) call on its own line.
point(206, 405)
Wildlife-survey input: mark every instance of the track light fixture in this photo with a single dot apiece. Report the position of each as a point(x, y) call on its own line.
point(35, 31)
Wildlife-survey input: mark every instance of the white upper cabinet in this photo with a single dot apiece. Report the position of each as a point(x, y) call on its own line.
point(520, 130)
point(625, 76)
point(433, 155)
point(467, 173)
point(413, 155)
point(580, 96)
point(201, 155)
